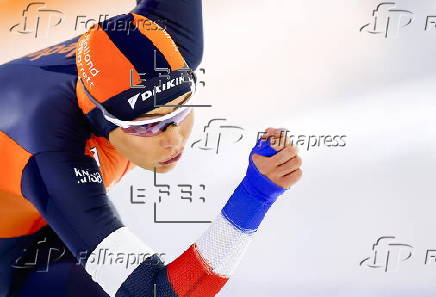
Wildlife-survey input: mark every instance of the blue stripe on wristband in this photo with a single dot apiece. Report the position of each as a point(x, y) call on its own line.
point(142, 281)
point(253, 197)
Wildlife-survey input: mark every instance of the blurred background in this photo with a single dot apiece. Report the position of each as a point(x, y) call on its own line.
point(361, 221)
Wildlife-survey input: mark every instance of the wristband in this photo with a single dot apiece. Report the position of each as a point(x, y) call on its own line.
point(250, 201)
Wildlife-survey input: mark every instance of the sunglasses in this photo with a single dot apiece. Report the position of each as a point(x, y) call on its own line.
point(157, 127)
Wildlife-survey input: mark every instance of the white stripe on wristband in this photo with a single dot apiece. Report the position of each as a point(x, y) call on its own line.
point(115, 258)
point(223, 246)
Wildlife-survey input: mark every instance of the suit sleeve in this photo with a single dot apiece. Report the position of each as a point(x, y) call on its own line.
point(206, 266)
point(67, 189)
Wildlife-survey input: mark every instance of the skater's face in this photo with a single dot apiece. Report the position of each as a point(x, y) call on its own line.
point(149, 152)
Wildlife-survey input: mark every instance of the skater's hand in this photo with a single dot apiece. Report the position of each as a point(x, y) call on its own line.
point(283, 168)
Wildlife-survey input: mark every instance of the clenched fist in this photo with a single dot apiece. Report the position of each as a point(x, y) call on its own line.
point(283, 168)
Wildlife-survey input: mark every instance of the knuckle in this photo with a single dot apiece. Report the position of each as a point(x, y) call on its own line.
point(288, 142)
point(283, 157)
point(298, 173)
point(298, 161)
point(293, 177)
point(275, 142)
point(296, 149)
point(292, 149)
point(287, 153)
point(268, 131)
point(292, 165)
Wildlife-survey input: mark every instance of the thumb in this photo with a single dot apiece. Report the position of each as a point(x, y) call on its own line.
point(263, 148)
point(257, 158)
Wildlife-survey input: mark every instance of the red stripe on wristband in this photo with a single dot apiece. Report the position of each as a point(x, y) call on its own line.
point(191, 276)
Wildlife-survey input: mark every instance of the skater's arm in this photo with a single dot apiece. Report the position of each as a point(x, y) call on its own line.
point(205, 267)
point(69, 194)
